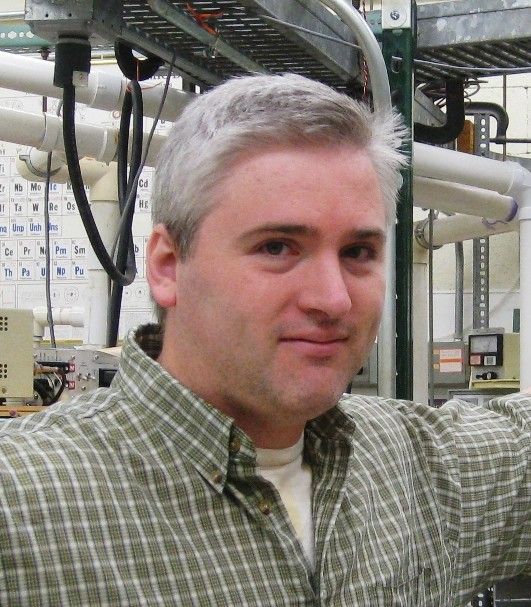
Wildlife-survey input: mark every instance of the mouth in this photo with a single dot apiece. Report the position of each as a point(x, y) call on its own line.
point(316, 347)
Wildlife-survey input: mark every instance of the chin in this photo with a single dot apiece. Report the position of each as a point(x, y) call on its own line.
point(313, 403)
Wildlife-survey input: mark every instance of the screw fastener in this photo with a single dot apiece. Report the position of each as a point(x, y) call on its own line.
point(395, 15)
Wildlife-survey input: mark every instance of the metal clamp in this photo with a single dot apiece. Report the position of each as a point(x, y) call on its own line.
point(420, 234)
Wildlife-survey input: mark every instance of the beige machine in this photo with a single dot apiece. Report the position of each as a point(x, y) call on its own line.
point(494, 359)
point(16, 354)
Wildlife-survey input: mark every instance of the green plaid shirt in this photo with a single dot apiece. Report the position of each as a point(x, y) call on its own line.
point(143, 494)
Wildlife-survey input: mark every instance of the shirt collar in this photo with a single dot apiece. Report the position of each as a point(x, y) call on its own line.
point(201, 433)
point(208, 438)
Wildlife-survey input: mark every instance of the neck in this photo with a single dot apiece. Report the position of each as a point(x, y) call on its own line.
point(273, 437)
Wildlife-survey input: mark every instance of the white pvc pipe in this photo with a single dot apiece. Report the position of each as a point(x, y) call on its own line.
point(23, 128)
point(458, 228)
point(103, 196)
point(44, 131)
point(456, 198)
point(107, 216)
point(104, 90)
point(91, 170)
point(477, 171)
point(73, 317)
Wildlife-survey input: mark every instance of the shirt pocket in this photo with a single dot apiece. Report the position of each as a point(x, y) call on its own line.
point(414, 591)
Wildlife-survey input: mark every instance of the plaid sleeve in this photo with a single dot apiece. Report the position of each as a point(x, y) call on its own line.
point(479, 462)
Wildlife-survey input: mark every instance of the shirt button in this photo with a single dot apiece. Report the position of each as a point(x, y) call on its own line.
point(234, 445)
point(217, 477)
point(265, 507)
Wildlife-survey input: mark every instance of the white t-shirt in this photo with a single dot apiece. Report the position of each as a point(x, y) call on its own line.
point(292, 478)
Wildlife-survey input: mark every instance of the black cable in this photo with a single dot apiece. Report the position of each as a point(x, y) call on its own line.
point(123, 147)
point(138, 133)
point(132, 67)
point(76, 179)
point(41, 386)
point(125, 258)
point(45, 53)
point(47, 261)
point(64, 381)
point(47, 278)
point(130, 202)
point(455, 117)
point(72, 61)
point(130, 199)
point(46, 387)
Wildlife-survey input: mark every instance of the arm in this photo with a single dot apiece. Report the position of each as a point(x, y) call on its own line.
point(480, 462)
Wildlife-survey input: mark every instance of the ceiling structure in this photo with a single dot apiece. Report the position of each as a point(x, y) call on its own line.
point(216, 39)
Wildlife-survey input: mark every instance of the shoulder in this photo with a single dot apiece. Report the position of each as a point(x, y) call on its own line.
point(61, 459)
point(63, 432)
point(454, 414)
point(455, 430)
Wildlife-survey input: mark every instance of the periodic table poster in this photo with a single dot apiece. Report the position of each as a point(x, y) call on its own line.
point(22, 234)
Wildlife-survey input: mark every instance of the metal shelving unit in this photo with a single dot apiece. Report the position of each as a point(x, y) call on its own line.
point(465, 33)
point(239, 37)
point(477, 34)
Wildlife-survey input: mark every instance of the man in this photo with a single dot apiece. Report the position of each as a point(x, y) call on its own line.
point(223, 466)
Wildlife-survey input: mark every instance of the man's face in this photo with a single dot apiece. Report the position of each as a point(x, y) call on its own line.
point(279, 301)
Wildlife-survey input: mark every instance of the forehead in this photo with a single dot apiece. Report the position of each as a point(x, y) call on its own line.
point(322, 184)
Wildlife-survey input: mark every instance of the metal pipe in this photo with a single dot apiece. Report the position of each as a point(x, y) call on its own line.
point(459, 290)
point(420, 325)
point(11, 15)
point(431, 375)
point(370, 48)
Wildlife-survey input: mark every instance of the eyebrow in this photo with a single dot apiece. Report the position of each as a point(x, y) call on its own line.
point(278, 228)
point(304, 230)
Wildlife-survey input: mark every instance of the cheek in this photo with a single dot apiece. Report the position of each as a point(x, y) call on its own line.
point(368, 296)
point(228, 303)
point(379, 297)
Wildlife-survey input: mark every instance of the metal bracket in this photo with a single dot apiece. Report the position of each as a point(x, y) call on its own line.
point(396, 14)
point(50, 19)
point(480, 246)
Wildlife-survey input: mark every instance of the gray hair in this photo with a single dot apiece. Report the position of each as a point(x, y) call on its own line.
point(254, 112)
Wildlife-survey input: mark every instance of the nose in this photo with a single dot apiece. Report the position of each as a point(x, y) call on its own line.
point(323, 290)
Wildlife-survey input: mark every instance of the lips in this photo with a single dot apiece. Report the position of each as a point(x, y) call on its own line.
point(320, 346)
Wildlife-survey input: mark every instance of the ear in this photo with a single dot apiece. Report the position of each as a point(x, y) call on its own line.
point(162, 258)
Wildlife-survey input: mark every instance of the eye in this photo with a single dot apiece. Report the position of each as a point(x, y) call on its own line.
point(360, 252)
point(275, 248)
